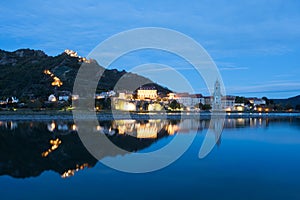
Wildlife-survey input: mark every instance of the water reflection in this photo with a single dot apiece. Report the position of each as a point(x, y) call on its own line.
point(29, 148)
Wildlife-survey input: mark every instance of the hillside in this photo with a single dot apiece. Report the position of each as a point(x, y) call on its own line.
point(293, 101)
point(29, 73)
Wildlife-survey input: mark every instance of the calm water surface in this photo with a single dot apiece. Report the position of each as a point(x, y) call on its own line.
point(253, 159)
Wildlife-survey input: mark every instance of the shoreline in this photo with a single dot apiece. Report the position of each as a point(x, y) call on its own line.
point(106, 116)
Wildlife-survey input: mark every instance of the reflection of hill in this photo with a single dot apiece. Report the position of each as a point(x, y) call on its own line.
point(27, 149)
point(22, 150)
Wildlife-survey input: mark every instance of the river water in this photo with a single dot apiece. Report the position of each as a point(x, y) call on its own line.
point(254, 158)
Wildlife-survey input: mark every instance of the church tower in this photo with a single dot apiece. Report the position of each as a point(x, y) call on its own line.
point(217, 97)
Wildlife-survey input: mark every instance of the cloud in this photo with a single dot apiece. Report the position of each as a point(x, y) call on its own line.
point(229, 66)
point(244, 37)
point(267, 88)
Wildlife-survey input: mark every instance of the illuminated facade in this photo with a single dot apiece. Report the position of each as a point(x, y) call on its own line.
point(147, 94)
point(257, 101)
point(125, 105)
point(52, 98)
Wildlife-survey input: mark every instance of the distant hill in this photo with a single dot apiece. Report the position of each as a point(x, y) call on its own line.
point(293, 101)
point(22, 74)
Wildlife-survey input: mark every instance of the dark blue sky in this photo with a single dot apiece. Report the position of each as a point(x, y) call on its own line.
point(255, 44)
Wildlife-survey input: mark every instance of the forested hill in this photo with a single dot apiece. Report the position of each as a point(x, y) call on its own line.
point(27, 72)
point(293, 101)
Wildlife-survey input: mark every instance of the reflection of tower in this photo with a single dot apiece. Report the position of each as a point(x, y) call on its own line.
point(217, 127)
point(216, 105)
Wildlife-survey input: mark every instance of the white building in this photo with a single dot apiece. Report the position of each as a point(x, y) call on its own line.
point(257, 101)
point(184, 99)
point(63, 98)
point(52, 98)
point(71, 53)
point(228, 103)
point(187, 100)
point(12, 100)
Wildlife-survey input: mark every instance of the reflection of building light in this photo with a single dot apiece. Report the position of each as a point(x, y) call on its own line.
point(172, 129)
point(51, 127)
point(240, 121)
point(74, 127)
point(71, 172)
point(55, 144)
point(75, 97)
point(68, 173)
point(122, 129)
point(98, 128)
point(146, 131)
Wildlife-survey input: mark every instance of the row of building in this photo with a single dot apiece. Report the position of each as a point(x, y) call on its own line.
point(148, 98)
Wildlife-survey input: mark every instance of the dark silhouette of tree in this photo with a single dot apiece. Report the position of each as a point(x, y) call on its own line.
point(206, 107)
point(174, 105)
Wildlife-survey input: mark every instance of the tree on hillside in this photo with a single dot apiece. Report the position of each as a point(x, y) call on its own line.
point(288, 106)
point(244, 100)
point(174, 105)
point(267, 100)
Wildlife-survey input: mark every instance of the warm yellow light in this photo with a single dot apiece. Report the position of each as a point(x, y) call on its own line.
point(46, 71)
point(172, 129)
point(146, 131)
point(55, 144)
point(240, 108)
point(98, 128)
point(228, 109)
point(56, 82)
point(74, 127)
point(45, 154)
point(75, 97)
point(68, 174)
point(51, 127)
point(71, 172)
point(53, 99)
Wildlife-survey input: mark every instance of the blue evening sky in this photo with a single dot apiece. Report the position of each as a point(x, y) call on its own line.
point(255, 44)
